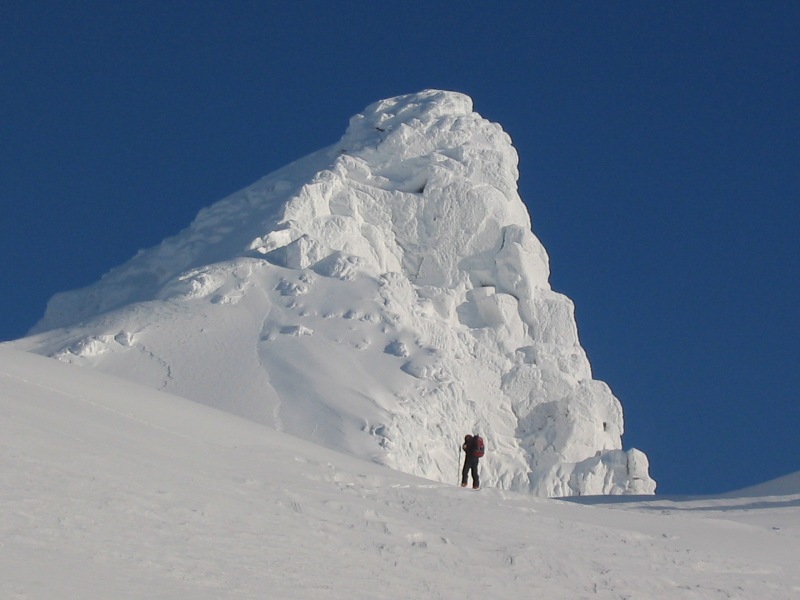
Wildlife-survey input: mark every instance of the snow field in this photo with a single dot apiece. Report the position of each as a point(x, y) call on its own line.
point(111, 489)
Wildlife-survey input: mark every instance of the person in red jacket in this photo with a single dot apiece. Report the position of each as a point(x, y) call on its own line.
point(473, 448)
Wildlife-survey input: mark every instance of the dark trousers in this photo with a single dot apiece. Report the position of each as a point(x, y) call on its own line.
point(470, 464)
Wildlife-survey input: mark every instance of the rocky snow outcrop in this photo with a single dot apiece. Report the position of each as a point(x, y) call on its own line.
point(383, 296)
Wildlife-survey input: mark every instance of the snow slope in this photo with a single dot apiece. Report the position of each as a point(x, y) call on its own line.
point(115, 490)
point(782, 486)
point(383, 297)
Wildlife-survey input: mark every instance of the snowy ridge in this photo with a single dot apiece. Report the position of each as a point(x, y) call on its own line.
point(383, 296)
point(782, 486)
point(115, 490)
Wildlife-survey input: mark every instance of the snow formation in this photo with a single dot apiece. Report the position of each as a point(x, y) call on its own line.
point(383, 296)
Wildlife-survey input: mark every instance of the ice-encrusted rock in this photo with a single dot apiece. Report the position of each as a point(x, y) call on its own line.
point(384, 296)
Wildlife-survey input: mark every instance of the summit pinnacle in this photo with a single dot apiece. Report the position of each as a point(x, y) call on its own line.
point(382, 296)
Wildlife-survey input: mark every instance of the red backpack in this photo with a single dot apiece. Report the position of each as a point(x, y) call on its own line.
point(477, 446)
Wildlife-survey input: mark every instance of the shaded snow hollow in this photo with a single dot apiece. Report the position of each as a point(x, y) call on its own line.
point(383, 296)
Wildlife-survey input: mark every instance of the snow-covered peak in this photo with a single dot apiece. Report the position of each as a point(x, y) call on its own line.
point(393, 113)
point(410, 177)
point(383, 296)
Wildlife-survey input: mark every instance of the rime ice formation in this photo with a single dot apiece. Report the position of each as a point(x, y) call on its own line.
point(383, 296)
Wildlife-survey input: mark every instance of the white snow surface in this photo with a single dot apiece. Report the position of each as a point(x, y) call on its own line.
point(382, 297)
point(110, 489)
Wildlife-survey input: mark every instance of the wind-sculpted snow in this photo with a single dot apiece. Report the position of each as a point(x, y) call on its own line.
point(383, 296)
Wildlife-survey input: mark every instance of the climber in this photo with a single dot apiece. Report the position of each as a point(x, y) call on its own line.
point(473, 448)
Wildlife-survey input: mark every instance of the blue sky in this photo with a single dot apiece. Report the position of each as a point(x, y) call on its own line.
point(659, 152)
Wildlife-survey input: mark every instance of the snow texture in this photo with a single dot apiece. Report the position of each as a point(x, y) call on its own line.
point(111, 489)
point(382, 297)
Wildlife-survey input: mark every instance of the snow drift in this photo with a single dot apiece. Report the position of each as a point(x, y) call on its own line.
point(383, 296)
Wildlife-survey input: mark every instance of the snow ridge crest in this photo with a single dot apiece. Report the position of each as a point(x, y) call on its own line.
point(382, 296)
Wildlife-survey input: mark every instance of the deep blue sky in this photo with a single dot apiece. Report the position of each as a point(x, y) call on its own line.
point(659, 152)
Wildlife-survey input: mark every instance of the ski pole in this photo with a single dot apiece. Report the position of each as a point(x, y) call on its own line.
point(458, 467)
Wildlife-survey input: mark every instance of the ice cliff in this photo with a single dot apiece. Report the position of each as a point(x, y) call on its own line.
point(383, 296)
